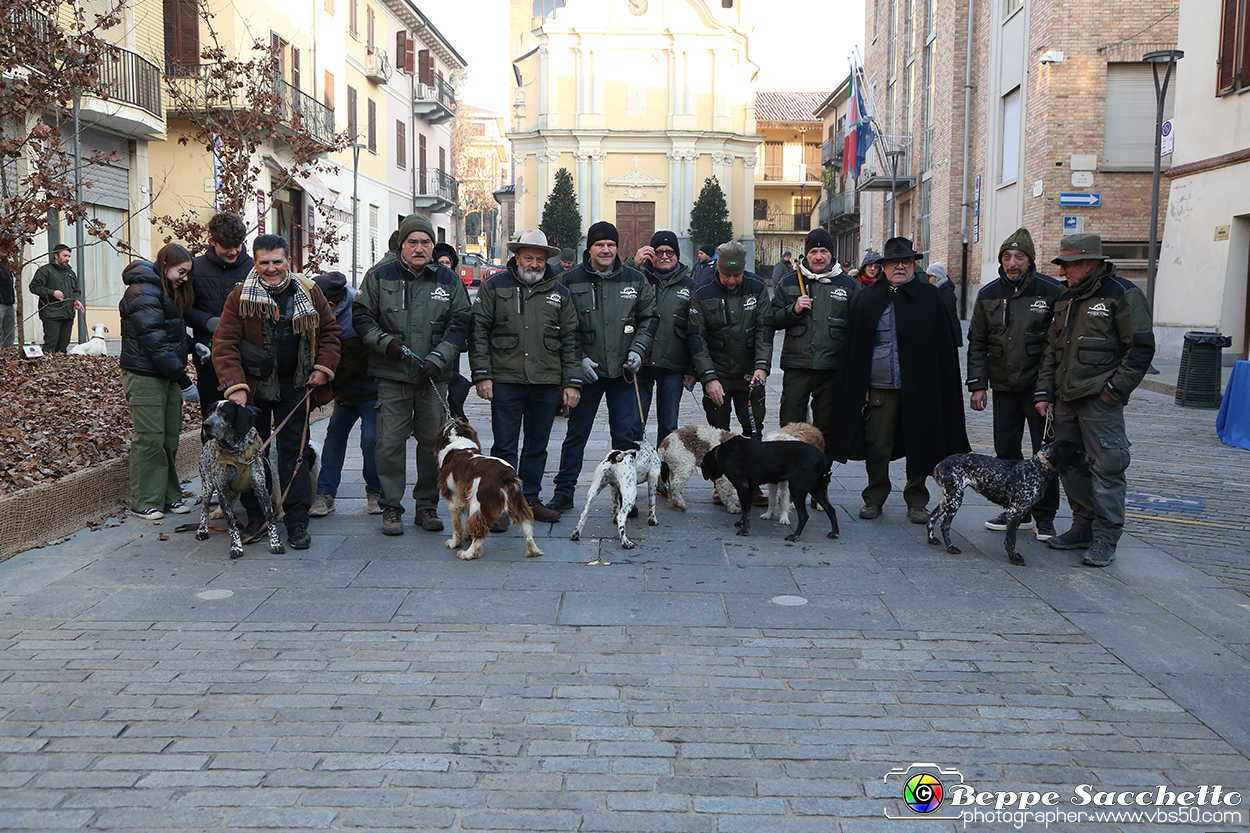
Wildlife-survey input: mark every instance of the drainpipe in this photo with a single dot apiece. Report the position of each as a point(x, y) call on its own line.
point(963, 209)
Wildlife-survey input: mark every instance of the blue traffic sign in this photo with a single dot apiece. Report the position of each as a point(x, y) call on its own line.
point(1089, 200)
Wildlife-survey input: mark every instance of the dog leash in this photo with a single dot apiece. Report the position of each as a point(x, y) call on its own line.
point(638, 396)
point(447, 415)
point(307, 402)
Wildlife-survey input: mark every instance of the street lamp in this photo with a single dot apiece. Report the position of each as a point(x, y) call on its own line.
point(1155, 59)
point(894, 156)
point(356, 148)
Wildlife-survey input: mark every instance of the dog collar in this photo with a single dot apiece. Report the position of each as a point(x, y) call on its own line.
point(1046, 462)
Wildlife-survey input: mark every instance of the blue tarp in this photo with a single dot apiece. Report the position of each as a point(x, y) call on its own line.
point(1233, 422)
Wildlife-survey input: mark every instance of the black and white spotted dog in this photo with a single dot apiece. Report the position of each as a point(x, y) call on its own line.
point(624, 470)
point(1014, 485)
point(232, 463)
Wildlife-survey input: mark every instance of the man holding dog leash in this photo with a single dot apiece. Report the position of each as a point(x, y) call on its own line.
point(277, 338)
point(411, 304)
point(616, 323)
point(1098, 349)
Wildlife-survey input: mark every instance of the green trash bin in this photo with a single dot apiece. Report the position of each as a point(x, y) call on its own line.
point(1198, 385)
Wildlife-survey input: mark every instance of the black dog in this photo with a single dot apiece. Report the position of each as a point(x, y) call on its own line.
point(750, 463)
point(1014, 485)
point(231, 464)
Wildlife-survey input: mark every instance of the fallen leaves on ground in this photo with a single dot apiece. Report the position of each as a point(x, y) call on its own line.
point(61, 414)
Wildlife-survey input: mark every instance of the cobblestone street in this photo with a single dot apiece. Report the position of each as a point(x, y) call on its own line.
point(701, 682)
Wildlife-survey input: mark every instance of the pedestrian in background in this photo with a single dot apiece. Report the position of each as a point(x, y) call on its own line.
point(1099, 347)
point(705, 269)
point(1006, 337)
point(568, 259)
point(897, 392)
point(782, 266)
point(446, 255)
point(8, 312)
point(221, 268)
point(60, 296)
point(153, 361)
point(355, 398)
point(946, 289)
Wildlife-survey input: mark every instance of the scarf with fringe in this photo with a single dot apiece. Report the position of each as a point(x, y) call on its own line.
point(824, 277)
point(257, 301)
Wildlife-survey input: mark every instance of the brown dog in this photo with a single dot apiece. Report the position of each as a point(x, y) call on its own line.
point(482, 487)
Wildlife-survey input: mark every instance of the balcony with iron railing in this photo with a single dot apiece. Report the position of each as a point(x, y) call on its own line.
point(831, 149)
point(840, 210)
point(201, 90)
point(434, 99)
point(784, 223)
point(437, 191)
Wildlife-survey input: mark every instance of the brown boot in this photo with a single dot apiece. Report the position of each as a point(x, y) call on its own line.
point(542, 513)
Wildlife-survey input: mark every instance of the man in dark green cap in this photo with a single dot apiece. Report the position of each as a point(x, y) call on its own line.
point(1005, 339)
point(411, 304)
point(1099, 347)
point(731, 340)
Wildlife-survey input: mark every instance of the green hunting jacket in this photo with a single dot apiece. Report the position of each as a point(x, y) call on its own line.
point(814, 337)
point(1007, 334)
point(525, 335)
point(731, 332)
point(615, 314)
point(49, 279)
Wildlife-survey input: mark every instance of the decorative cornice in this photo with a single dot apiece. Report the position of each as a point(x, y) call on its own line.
point(635, 182)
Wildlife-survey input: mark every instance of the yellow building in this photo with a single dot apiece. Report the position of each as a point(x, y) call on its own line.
point(483, 167)
point(641, 102)
point(787, 174)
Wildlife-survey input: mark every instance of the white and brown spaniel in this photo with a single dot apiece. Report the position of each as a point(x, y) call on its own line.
point(482, 487)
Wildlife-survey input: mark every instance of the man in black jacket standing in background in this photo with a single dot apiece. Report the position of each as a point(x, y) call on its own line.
point(217, 272)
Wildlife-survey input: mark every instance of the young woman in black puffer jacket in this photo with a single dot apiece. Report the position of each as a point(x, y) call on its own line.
point(154, 376)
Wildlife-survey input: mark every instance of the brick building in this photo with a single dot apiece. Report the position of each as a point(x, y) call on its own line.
point(1058, 102)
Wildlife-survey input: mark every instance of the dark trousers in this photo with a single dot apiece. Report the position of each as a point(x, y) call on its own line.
point(532, 408)
point(334, 449)
point(56, 334)
point(1098, 495)
point(668, 388)
point(797, 387)
point(1011, 411)
point(624, 425)
point(290, 443)
point(881, 427)
point(747, 402)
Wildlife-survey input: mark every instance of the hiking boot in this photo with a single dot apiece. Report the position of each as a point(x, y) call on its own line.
point(543, 514)
point(371, 504)
point(499, 527)
point(999, 524)
point(560, 503)
point(1100, 554)
point(1045, 530)
point(252, 532)
point(870, 511)
point(148, 514)
point(178, 508)
point(322, 505)
point(392, 521)
point(429, 520)
point(298, 538)
point(1073, 539)
point(918, 514)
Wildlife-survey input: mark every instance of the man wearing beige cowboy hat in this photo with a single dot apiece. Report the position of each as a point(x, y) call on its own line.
point(1099, 347)
point(524, 358)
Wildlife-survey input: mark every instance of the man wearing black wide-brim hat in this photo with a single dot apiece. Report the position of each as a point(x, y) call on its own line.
point(898, 389)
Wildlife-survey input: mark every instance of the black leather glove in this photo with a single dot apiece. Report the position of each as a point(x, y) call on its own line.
point(429, 371)
point(395, 348)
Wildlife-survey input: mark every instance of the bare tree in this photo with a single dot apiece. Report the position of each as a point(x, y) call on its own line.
point(235, 108)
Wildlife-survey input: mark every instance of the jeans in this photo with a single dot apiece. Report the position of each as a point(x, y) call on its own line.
point(668, 384)
point(530, 407)
point(290, 444)
point(334, 450)
point(8, 325)
point(624, 425)
point(1012, 410)
point(156, 411)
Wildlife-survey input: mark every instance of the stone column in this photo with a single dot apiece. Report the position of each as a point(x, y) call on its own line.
point(689, 158)
point(748, 199)
point(583, 181)
point(675, 196)
point(596, 184)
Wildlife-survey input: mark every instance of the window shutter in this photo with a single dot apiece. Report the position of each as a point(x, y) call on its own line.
point(372, 113)
point(1011, 137)
point(1229, 30)
point(410, 56)
point(1243, 47)
point(442, 159)
point(329, 89)
point(351, 114)
point(401, 146)
point(369, 28)
point(295, 67)
point(351, 17)
point(182, 32)
point(1129, 131)
point(425, 66)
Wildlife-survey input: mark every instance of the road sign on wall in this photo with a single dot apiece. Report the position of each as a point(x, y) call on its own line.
point(1089, 200)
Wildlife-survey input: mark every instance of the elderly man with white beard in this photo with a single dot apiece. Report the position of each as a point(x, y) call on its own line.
point(525, 360)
